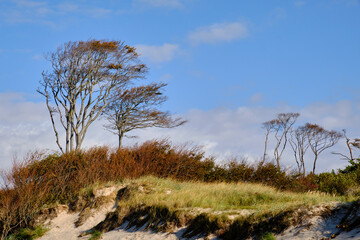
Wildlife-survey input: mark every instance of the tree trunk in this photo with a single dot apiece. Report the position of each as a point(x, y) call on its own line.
point(121, 134)
point(314, 163)
point(265, 148)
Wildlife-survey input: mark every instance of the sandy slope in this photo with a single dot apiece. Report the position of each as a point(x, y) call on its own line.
point(315, 226)
point(63, 227)
point(318, 227)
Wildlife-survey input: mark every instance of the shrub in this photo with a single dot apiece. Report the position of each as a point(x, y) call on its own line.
point(41, 179)
point(44, 179)
point(335, 183)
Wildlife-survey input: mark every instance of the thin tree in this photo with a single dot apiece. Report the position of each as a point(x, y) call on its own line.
point(269, 127)
point(77, 88)
point(299, 144)
point(137, 108)
point(349, 144)
point(281, 127)
point(320, 139)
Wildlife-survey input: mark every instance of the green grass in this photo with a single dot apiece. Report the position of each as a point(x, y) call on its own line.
point(96, 235)
point(218, 196)
point(226, 209)
point(268, 236)
point(28, 233)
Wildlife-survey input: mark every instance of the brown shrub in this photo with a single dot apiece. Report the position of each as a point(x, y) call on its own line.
point(42, 179)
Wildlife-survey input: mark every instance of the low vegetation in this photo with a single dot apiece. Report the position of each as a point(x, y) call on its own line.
point(219, 197)
point(226, 209)
point(43, 180)
point(28, 233)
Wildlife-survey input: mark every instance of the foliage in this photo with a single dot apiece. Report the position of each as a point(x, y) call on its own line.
point(137, 108)
point(320, 139)
point(335, 183)
point(81, 80)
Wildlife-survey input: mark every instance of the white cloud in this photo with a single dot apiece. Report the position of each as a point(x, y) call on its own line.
point(219, 32)
point(161, 3)
point(222, 132)
point(158, 54)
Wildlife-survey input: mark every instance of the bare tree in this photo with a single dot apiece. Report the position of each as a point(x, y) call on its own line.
point(136, 108)
point(281, 126)
point(269, 127)
point(320, 139)
point(80, 82)
point(300, 144)
point(350, 144)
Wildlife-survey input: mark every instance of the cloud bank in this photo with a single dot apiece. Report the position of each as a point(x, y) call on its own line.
point(222, 132)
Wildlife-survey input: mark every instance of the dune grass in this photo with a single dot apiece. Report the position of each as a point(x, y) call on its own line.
point(226, 209)
point(152, 191)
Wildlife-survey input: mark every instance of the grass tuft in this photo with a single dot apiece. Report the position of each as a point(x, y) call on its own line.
point(95, 235)
point(28, 233)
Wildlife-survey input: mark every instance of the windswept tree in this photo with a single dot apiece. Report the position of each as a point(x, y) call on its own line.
point(350, 143)
point(300, 144)
point(79, 84)
point(137, 108)
point(320, 139)
point(281, 126)
point(269, 126)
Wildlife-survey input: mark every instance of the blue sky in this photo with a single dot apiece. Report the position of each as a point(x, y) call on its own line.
point(218, 57)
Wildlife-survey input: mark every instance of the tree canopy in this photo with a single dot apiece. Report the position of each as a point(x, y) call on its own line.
point(137, 108)
point(78, 86)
